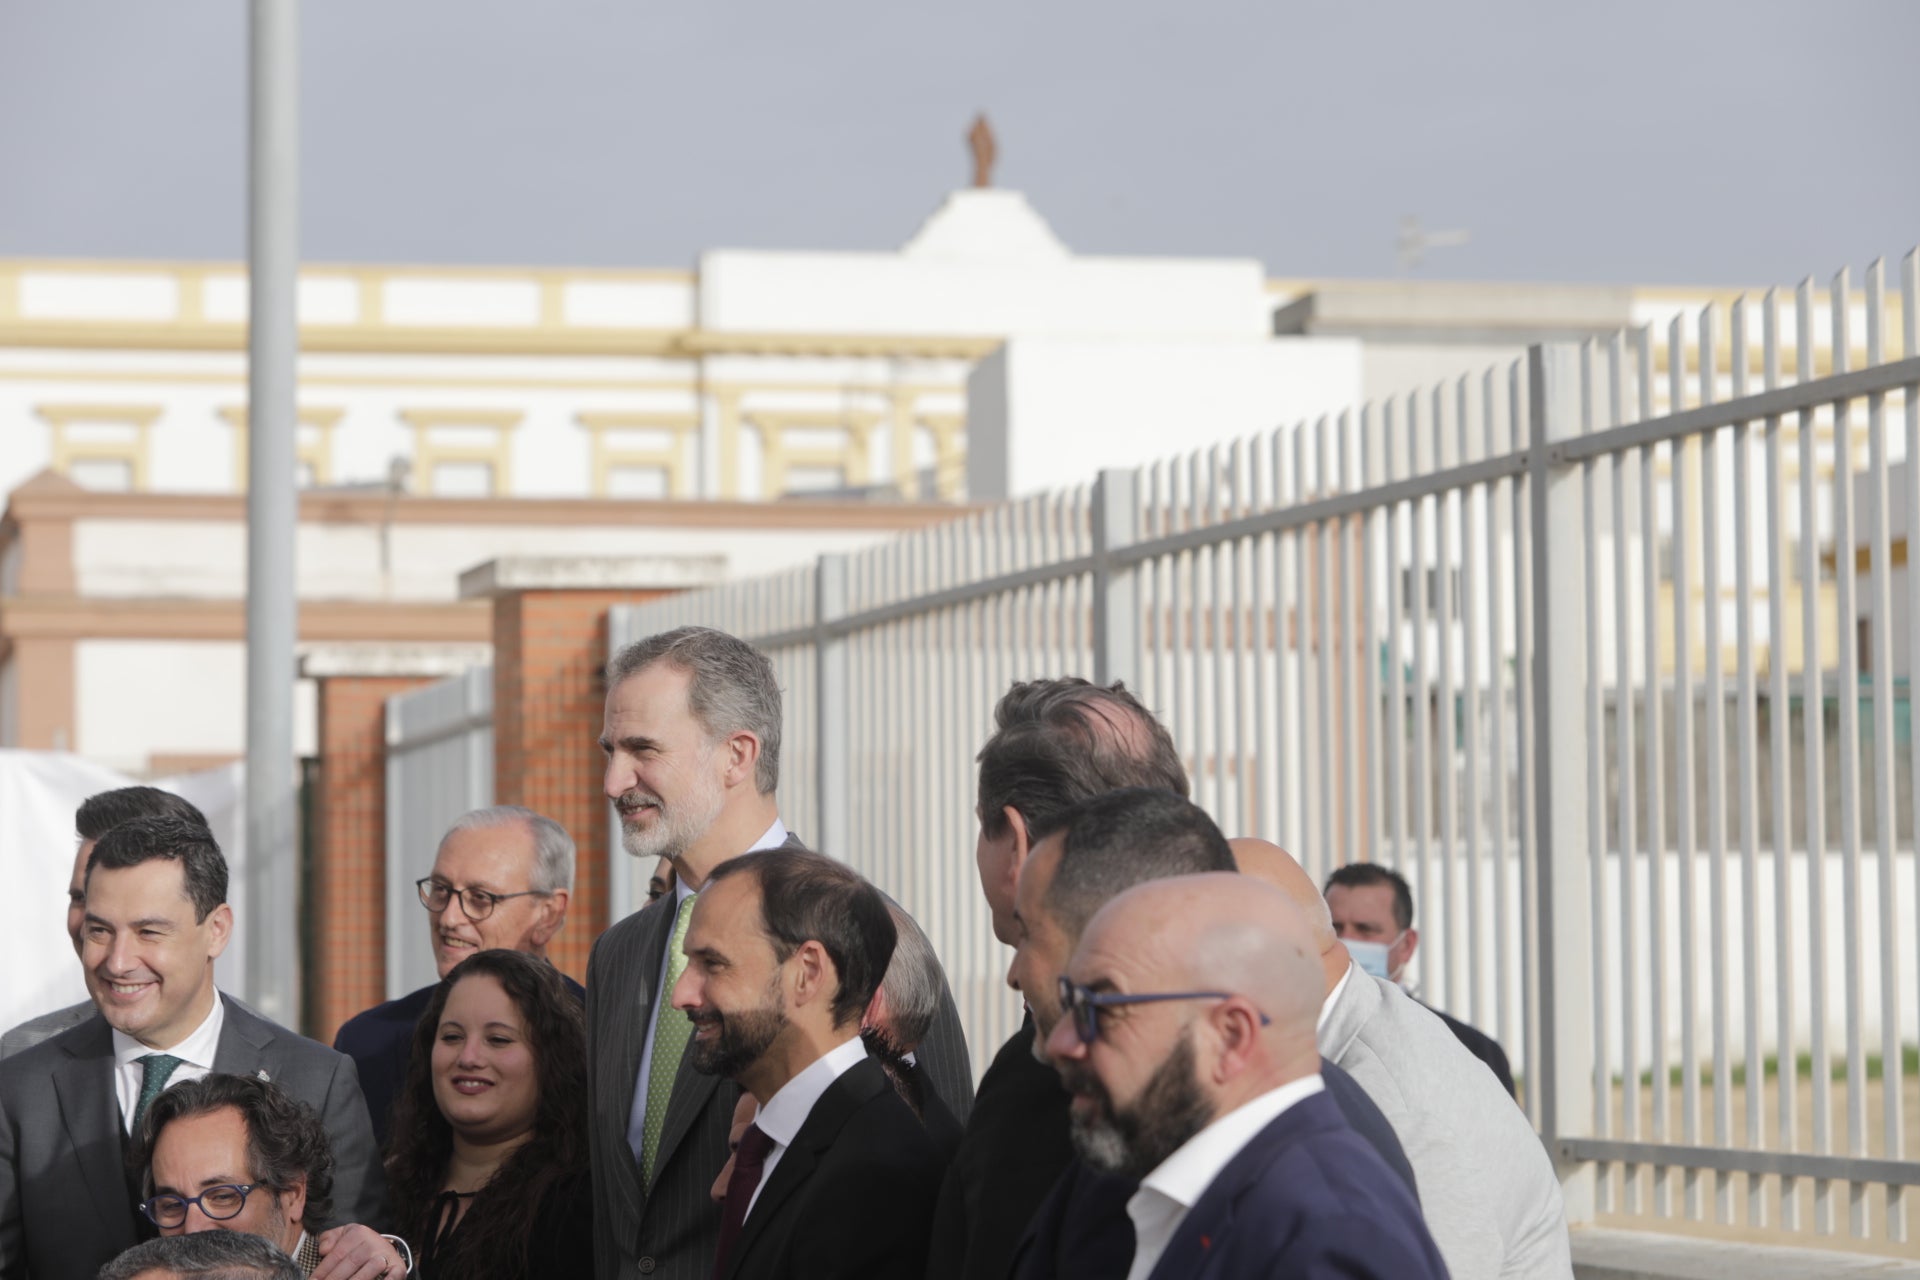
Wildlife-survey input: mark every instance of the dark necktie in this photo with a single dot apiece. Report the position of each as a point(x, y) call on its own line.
point(155, 1070)
point(749, 1160)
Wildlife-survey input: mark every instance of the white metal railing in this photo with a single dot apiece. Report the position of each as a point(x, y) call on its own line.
point(439, 766)
point(1514, 636)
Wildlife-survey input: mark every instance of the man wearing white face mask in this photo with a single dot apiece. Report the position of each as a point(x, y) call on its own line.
point(1372, 910)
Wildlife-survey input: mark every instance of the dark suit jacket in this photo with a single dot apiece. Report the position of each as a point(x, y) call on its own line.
point(380, 1042)
point(65, 1208)
point(1308, 1198)
point(1084, 1231)
point(1482, 1046)
point(852, 1197)
point(1015, 1148)
point(671, 1226)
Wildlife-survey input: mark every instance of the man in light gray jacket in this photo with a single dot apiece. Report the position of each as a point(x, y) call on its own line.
point(1491, 1198)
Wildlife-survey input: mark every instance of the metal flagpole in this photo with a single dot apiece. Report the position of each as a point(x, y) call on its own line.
point(272, 345)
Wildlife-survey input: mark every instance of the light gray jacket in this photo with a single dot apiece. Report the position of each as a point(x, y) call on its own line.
point(1489, 1192)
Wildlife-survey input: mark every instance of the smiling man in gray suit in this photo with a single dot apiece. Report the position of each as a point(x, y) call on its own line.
point(156, 919)
point(692, 741)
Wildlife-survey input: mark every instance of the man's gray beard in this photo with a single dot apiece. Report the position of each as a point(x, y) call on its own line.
point(675, 829)
point(1171, 1108)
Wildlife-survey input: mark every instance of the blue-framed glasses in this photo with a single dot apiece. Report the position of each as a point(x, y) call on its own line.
point(218, 1203)
point(1083, 1004)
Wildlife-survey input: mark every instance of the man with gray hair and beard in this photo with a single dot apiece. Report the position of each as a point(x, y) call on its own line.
point(501, 879)
point(691, 736)
point(1187, 1042)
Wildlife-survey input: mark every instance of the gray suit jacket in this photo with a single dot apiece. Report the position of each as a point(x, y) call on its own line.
point(1491, 1199)
point(65, 1204)
point(669, 1229)
point(45, 1027)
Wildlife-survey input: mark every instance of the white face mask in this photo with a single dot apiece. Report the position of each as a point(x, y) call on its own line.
point(1372, 956)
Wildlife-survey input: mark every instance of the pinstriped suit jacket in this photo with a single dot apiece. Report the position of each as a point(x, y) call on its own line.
point(669, 1228)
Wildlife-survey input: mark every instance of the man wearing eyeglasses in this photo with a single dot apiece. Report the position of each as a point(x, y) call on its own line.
point(1187, 1042)
point(1105, 845)
point(500, 881)
point(235, 1153)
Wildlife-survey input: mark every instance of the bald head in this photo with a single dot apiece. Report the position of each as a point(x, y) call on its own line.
point(1217, 933)
point(1264, 860)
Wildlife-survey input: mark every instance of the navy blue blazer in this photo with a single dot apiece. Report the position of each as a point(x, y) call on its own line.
point(1083, 1229)
point(380, 1042)
point(1305, 1198)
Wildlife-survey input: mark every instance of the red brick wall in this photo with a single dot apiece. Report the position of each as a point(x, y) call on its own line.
point(548, 649)
point(349, 854)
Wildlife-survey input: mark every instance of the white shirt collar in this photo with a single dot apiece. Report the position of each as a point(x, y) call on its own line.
point(196, 1050)
point(1177, 1183)
point(788, 1109)
point(772, 838)
point(1333, 998)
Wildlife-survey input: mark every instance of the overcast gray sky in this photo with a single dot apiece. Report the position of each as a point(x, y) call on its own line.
point(1686, 141)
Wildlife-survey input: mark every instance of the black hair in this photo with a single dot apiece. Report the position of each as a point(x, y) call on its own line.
point(99, 814)
point(285, 1139)
point(1059, 742)
point(1356, 875)
point(1124, 838)
point(809, 897)
point(175, 839)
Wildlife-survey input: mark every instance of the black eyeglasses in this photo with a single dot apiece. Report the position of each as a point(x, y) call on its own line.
point(218, 1203)
point(477, 903)
point(1083, 1005)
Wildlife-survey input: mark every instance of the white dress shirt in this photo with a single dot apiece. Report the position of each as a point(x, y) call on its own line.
point(775, 836)
point(788, 1109)
point(195, 1054)
point(1177, 1183)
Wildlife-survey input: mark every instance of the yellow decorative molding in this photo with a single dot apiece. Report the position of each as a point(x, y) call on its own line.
point(430, 453)
point(779, 456)
point(726, 406)
point(314, 448)
point(949, 432)
point(133, 449)
point(672, 460)
point(922, 346)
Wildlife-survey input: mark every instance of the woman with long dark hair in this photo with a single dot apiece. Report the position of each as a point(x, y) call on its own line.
point(488, 1168)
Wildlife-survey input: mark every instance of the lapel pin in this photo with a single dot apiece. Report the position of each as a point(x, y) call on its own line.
point(262, 1073)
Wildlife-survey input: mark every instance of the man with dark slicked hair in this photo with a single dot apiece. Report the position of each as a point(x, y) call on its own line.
point(1055, 744)
point(97, 815)
point(156, 920)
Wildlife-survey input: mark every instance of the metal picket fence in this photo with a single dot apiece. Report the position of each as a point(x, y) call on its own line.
point(1607, 650)
point(439, 766)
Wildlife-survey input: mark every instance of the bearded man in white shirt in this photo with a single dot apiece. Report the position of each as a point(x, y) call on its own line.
point(1187, 1043)
point(836, 1176)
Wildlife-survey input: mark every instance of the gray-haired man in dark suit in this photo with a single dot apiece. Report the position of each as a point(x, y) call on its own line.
point(692, 742)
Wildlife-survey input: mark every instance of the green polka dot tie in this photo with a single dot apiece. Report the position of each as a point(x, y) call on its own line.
point(670, 1035)
point(155, 1070)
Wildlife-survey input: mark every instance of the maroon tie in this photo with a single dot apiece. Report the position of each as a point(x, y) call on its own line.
point(749, 1160)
